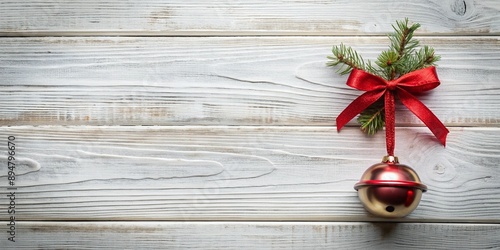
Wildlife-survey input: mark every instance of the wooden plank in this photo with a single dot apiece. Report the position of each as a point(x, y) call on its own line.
point(228, 81)
point(241, 173)
point(258, 17)
point(252, 235)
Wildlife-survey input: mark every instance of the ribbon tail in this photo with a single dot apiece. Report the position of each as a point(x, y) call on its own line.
point(424, 114)
point(390, 122)
point(357, 106)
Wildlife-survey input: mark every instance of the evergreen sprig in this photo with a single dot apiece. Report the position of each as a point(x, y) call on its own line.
point(348, 59)
point(372, 118)
point(402, 57)
point(402, 39)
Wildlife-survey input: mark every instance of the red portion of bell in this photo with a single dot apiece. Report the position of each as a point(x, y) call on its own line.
point(390, 189)
point(392, 195)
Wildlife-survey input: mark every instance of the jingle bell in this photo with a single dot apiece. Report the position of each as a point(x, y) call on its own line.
point(390, 189)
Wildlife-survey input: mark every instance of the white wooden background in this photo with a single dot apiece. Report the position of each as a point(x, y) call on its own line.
point(210, 125)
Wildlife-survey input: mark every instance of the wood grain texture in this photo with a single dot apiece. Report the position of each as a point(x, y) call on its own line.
point(257, 17)
point(252, 235)
point(266, 170)
point(222, 81)
point(241, 173)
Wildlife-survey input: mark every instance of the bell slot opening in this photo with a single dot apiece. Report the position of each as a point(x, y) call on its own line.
point(390, 209)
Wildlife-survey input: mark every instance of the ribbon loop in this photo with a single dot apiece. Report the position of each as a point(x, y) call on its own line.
point(362, 80)
point(414, 82)
point(357, 106)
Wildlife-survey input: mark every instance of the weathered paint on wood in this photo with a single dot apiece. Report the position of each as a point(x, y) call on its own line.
point(222, 81)
point(258, 17)
point(125, 180)
point(253, 235)
point(242, 173)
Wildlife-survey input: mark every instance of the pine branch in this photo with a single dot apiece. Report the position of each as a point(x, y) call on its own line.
point(386, 62)
point(427, 57)
point(347, 57)
point(402, 39)
point(403, 44)
point(372, 118)
point(423, 58)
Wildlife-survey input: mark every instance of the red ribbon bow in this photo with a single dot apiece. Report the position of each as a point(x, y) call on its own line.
point(414, 82)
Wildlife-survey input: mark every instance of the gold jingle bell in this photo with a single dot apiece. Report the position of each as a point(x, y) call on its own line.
point(390, 189)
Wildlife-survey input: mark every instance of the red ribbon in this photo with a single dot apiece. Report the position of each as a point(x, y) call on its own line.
point(414, 82)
